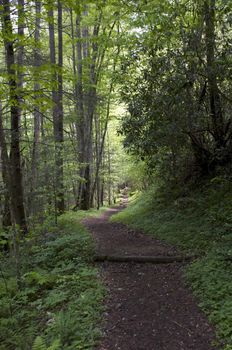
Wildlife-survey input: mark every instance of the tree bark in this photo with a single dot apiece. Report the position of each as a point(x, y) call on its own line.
point(109, 170)
point(57, 105)
point(84, 119)
point(37, 114)
point(6, 222)
point(60, 117)
point(20, 49)
point(214, 95)
point(90, 101)
point(16, 185)
point(80, 124)
point(100, 150)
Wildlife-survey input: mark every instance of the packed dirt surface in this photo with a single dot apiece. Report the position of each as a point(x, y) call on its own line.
point(149, 307)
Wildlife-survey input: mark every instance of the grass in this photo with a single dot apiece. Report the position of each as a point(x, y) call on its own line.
point(199, 222)
point(59, 304)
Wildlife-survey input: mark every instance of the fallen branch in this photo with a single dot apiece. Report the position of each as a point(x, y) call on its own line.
point(144, 259)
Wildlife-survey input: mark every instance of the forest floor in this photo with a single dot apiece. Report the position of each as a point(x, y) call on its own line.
point(148, 306)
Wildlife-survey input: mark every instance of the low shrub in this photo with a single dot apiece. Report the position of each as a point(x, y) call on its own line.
point(59, 302)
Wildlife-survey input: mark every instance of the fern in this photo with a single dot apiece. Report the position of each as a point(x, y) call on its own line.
point(39, 344)
point(55, 345)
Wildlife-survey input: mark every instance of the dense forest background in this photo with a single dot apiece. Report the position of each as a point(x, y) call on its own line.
point(70, 69)
point(59, 68)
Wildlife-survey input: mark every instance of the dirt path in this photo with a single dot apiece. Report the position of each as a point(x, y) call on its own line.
point(148, 307)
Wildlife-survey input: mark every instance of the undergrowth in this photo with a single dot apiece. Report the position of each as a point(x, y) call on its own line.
point(199, 222)
point(58, 304)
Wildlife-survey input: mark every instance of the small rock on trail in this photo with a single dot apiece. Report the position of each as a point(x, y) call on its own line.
point(149, 306)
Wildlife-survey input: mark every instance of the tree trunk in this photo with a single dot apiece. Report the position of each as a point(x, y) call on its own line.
point(6, 222)
point(214, 96)
point(109, 170)
point(80, 124)
point(60, 117)
point(87, 56)
point(20, 49)
point(37, 114)
point(90, 106)
point(84, 122)
point(57, 106)
point(87, 156)
point(16, 185)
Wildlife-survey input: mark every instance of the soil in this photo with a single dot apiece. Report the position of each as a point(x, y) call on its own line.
point(149, 307)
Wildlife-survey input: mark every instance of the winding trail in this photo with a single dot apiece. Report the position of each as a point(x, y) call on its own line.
point(149, 307)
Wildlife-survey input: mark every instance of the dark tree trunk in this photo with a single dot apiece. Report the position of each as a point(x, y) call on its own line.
point(109, 170)
point(214, 96)
point(84, 122)
point(100, 147)
point(102, 194)
point(6, 221)
point(20, 49)
point(16, 186)
point(59, 127)
point(57, 106)
point(90, 106)
point(37, 114)
point(80, 109)
point(206, 156)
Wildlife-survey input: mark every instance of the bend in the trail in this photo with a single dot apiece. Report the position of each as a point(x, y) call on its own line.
point(149, 306)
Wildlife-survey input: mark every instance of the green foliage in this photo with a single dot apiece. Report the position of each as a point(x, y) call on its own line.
point(211, 282)
point(59, 302)
point(167, 90)
point(37, 145)
point(39, 344)
point(35, 278)
point(198, 221)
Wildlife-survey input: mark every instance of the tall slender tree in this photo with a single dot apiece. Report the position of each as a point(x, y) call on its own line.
point(57, 103)
point(15, 185)
point(214, 95)
point(37, 113)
